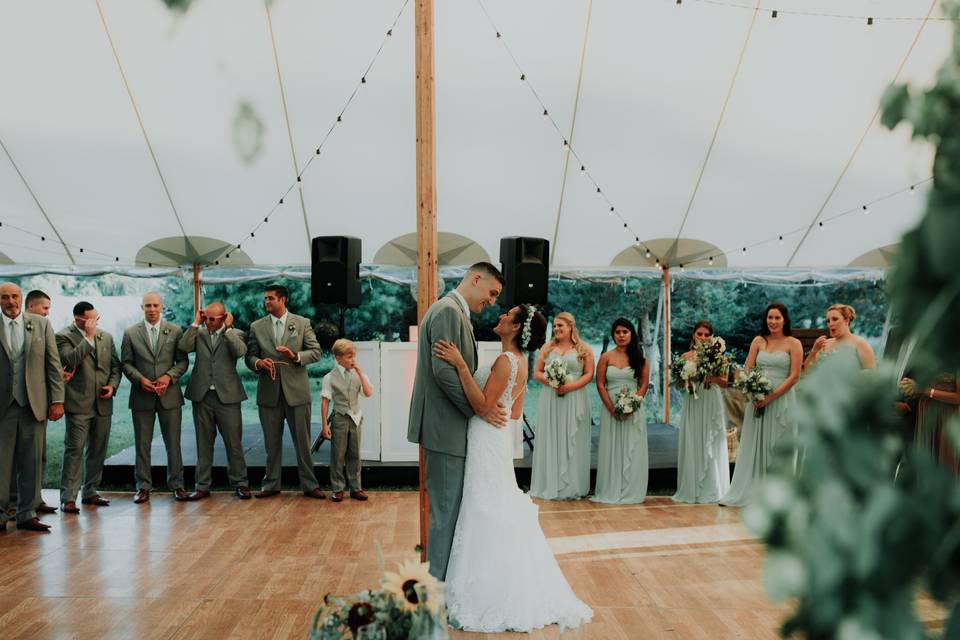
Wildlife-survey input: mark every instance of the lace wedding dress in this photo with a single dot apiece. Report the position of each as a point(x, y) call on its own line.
point(502, 575)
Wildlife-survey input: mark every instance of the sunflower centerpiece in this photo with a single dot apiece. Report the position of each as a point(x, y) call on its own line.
point(409, 604)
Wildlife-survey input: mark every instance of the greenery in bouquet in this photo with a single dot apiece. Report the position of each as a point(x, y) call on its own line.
point(627, 402)
point(712, 359)
point(684, 374)
point(556, 372)
point(409, 604)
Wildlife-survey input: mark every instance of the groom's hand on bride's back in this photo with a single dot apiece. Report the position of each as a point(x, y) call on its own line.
point(497, 416)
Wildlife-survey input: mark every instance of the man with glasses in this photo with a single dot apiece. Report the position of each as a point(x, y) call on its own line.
point(216, 392)
point(91, 355)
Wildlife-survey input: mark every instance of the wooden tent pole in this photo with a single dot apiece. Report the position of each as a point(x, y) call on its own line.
point(666, 345)
point(427, 265)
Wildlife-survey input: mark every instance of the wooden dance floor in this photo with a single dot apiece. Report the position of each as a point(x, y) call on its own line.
point(222, 568)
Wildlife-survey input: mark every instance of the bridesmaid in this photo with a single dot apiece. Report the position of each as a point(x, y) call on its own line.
point(622, 465)
point(561, 452)
point(842, 343)
point(703, 467)
point(780, 355)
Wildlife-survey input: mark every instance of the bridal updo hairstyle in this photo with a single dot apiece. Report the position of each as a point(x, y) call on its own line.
point(538, 328)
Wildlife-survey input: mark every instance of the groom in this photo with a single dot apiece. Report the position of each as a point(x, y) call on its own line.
point(439, 409)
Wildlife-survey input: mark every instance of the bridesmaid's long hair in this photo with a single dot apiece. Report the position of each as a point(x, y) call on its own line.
point(634, 352)
point(782, 308)
point(568, 318)
point(693, 336)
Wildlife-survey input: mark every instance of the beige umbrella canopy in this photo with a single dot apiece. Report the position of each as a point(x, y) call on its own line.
point(5, 259)
point(186, 250)
point(881, 257)
point(453, 250)
point(671, 251)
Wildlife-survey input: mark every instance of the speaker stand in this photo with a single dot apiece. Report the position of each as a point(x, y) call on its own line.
point(342, 312)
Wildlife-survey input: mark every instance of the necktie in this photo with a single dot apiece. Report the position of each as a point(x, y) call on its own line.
point(153, 339)
point(15, 338)
point(213, 339)
point(277, 330)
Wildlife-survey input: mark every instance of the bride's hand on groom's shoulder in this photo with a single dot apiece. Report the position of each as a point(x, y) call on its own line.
point(448, 352)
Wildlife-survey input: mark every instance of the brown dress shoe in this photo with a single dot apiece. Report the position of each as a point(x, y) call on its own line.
point(198, 495)
point(359, 495)
point(243, 492)
point(142, 496)
point(43, 507)
point(316, 493)
point(181, 495)
point(33, 524)
point(266, 493)
point(337, 496)
point(96, 501)
point(70, 507)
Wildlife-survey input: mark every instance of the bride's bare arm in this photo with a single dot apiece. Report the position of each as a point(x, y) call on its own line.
point(483, 400)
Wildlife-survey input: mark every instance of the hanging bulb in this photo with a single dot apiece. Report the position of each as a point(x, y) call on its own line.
point(780, 241)
point(913, 189)
point(820, 225)
point(523, 77)
point(865, 210)
point(647, 255)
point(546, 114)
point(710, 261)
point(599, 194)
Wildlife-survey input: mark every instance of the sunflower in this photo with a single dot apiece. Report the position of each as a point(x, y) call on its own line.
point(413, 585)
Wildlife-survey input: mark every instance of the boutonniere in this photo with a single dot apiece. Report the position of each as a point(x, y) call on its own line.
point(165, 331)
point(29, 325)
point(291, 328)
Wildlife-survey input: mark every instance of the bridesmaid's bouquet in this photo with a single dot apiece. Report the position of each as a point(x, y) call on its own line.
point(712, 359)
point(556, 372)
point(685, 374)
point(626, 403)
point(754, 386)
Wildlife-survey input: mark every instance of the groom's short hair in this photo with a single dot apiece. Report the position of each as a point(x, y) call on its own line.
point(486, 269)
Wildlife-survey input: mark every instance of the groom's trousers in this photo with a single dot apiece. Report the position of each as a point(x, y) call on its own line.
point(445, 489)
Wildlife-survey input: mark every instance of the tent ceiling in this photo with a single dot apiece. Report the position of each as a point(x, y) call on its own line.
point(655, 79)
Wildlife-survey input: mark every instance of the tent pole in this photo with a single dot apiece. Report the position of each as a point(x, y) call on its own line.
point(427, 265)
point(666, 345)
point(196, 288)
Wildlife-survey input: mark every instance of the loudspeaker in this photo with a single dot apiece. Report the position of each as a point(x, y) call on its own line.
point(335, 270)
point(525, 263)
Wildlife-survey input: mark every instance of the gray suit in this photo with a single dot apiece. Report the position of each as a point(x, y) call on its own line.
point(88, 415)
point(30, 382)
point(216, 392)
point(287, 396)
point(139, 361)
point(439, 412)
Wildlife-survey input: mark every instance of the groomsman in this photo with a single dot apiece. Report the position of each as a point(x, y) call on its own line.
point(279, 347)
point(153, 364)
point(38, 303)
point(91, 355)
point(31, 392)
point(216, 392)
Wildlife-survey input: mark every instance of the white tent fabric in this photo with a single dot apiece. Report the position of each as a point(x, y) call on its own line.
point(655, 79)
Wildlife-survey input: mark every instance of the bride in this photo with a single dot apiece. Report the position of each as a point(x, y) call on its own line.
point(502, 575)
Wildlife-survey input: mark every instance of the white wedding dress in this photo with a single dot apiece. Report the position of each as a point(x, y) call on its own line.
point(501, 575)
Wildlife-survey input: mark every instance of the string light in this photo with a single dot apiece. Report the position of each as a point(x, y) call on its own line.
point(865, 210)
point(647, 255)
point(339, 120)
point(813, 14)
point(710, 261)
point(773, 14)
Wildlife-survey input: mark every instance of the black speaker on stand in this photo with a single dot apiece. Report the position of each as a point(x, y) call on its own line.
point(525, 263)
point(335, 272)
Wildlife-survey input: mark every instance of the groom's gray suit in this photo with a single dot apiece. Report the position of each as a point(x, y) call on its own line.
point(439, 412)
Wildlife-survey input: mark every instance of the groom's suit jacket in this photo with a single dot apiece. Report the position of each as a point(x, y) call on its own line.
point(439, 409)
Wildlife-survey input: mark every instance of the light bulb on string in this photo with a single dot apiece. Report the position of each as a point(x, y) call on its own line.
point(546, 114)
point(820, 225)
point(913, 189)
point(780, 240)
point(647, 255)
point(611, 212)
point(710, 261)
point(599, 194)
point(865, 210)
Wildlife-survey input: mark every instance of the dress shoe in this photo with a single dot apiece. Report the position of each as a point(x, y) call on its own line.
point(33, 524)
point(43, 507)
point(96, 501)
point(316, 493)
point(198, 495)
point(142, 496)
point(70, 507)
point(243, 492)
point(359, 495)
point(181, 495)
point(337, 496)
point(266, 493)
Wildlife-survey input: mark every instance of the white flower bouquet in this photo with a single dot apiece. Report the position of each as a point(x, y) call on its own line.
point(684, 374)
point(627, 402)
point(754, 386)
point(556, 372)
point(712, 359)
